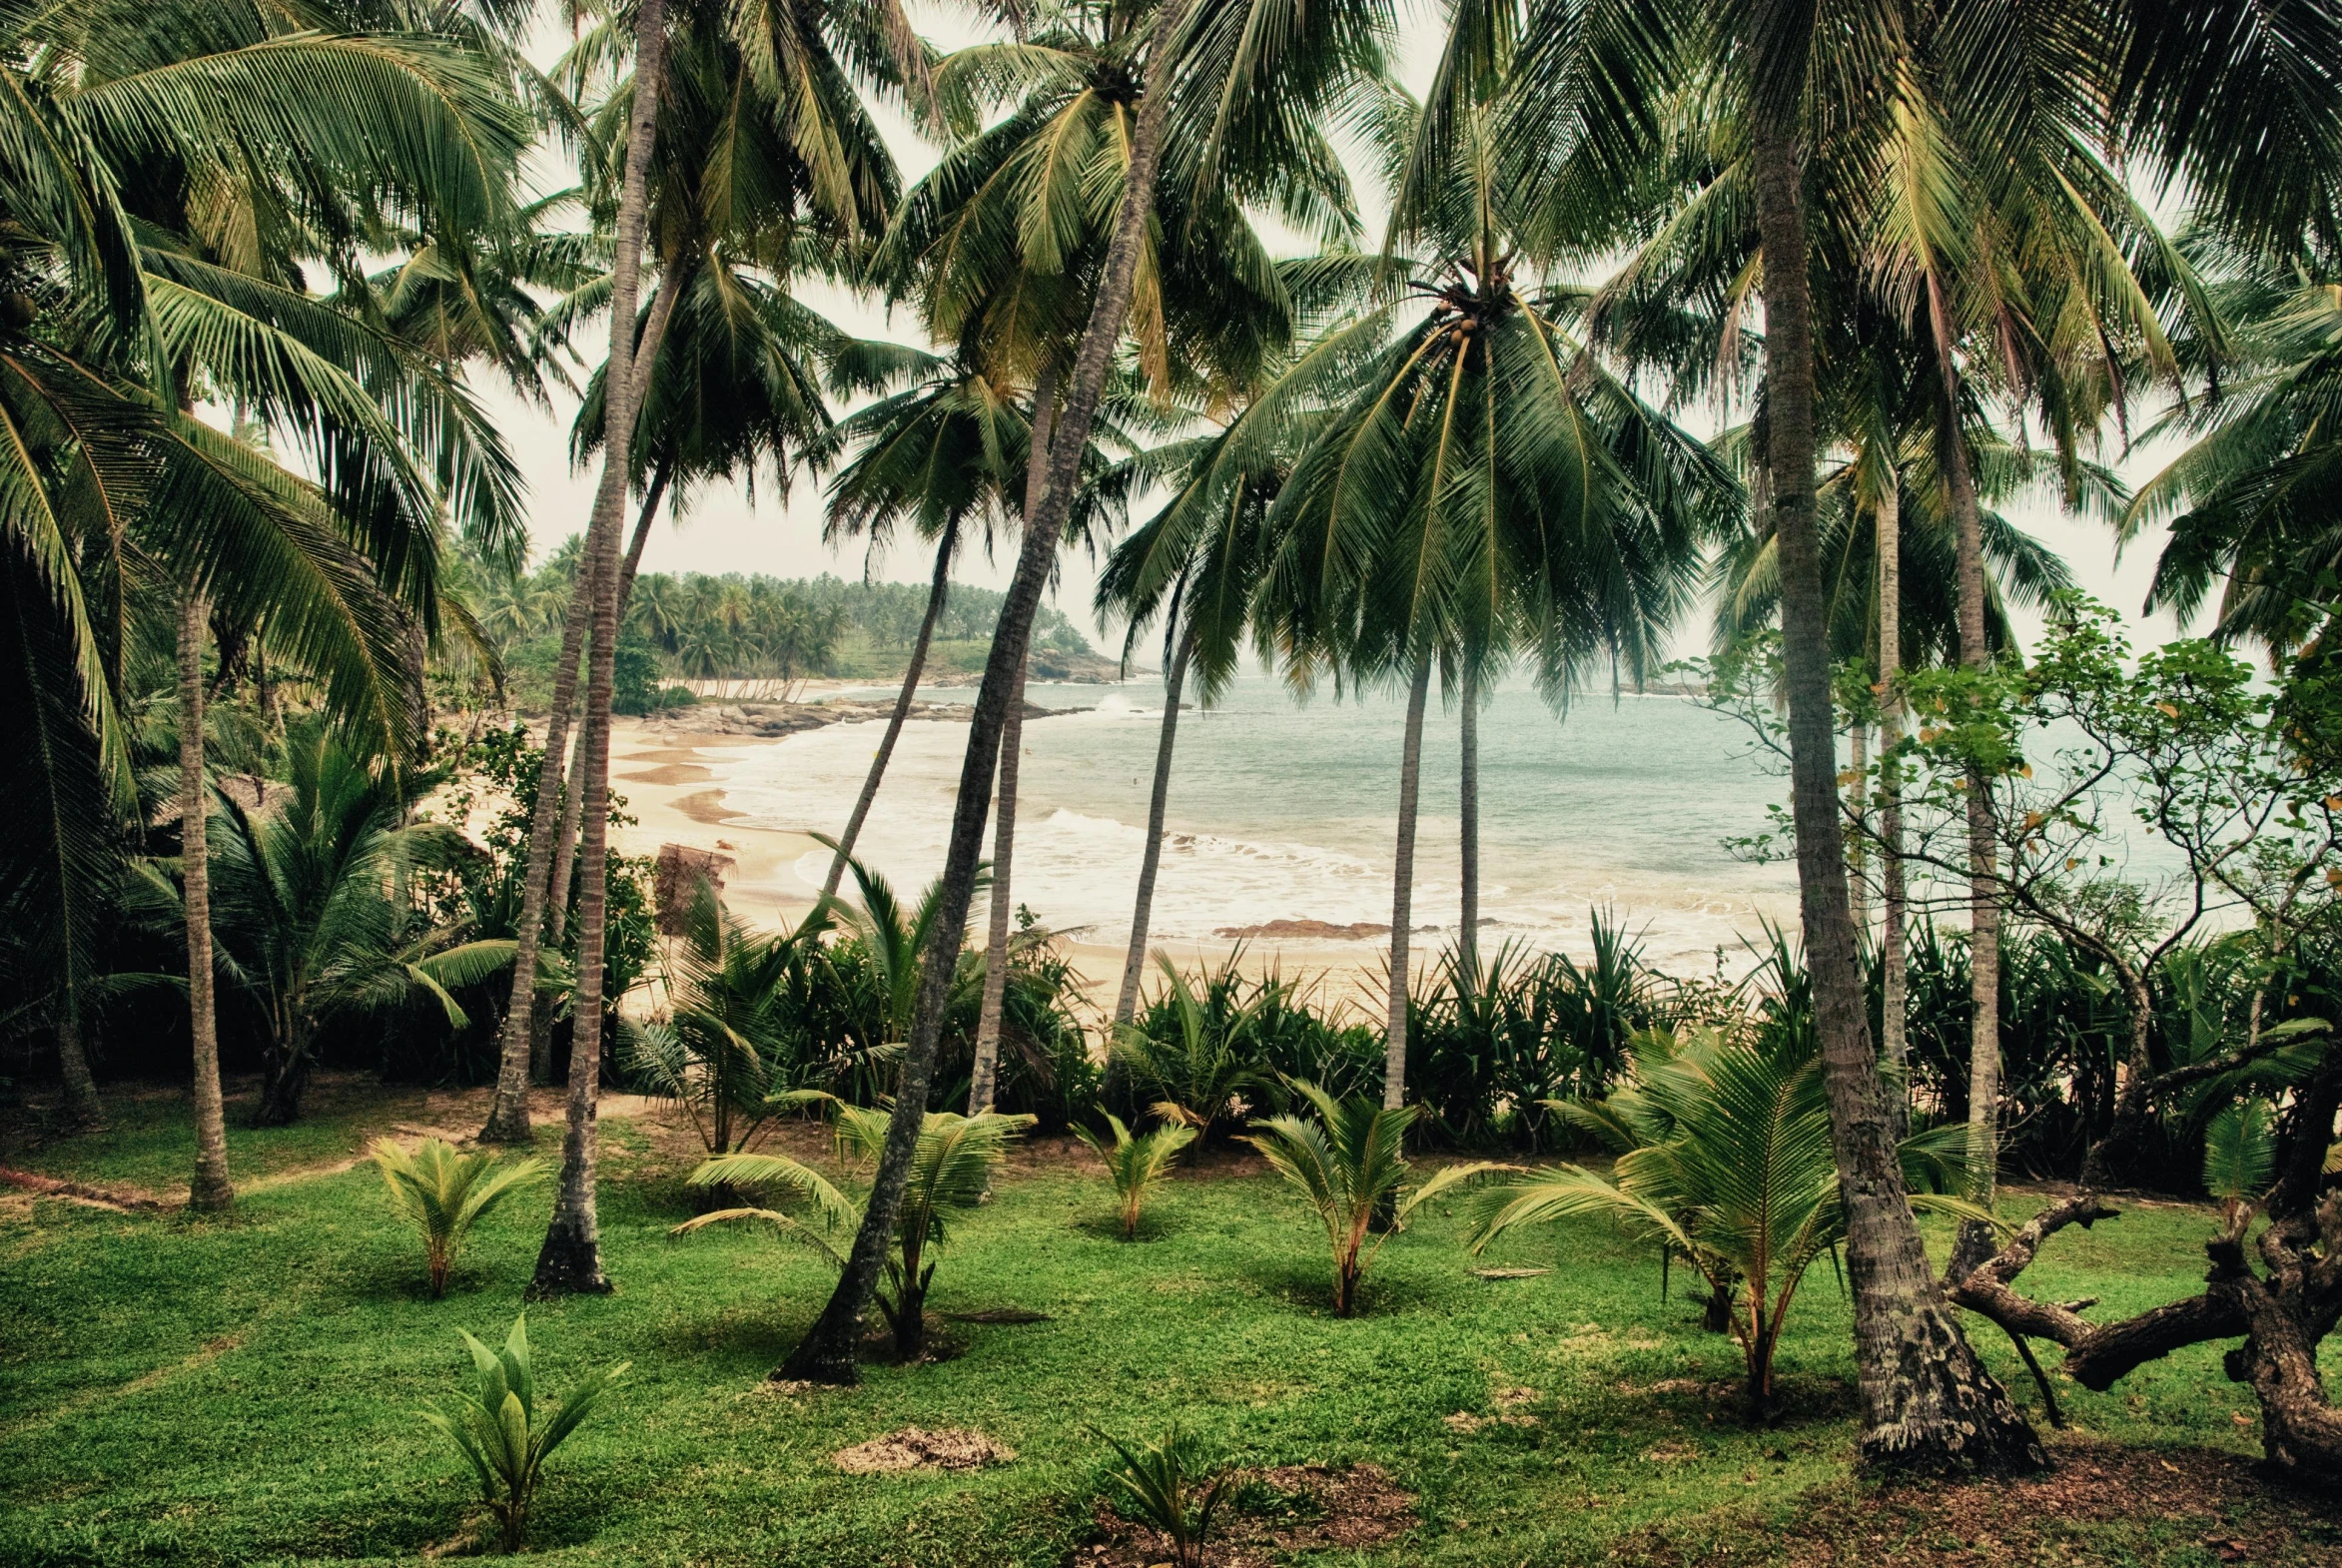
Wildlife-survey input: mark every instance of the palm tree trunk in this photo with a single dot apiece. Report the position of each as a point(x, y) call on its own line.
point(1468, 828)
point(571, 1258)
point(508, 1115)
point(573, 798)
point(1402, 891)
point(1976, 1241)
point(986, 1072)
point(1857, 885)
point(996, 951)
point(826, 1353)
point(937, 591)
point(1928, 1402)
point(211, 1190)
point(1135, 961)
point(83, 1111)
point(1894, 956)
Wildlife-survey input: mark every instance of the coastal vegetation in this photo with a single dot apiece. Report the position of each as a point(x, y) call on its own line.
point(1625, 310)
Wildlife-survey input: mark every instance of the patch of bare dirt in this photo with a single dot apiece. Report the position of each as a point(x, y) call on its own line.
point(914, 1448)
point(2103, 1502)
point(1291, 1508)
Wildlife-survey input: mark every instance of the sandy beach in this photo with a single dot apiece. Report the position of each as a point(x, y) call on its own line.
point(674, 782)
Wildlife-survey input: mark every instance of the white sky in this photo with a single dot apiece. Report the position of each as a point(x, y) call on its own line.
point(718, 531)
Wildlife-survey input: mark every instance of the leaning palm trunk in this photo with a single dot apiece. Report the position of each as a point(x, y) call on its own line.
point(508, 1113)
point(827, 1352)
point(1976, 1241)
point(1926, 1401)
point(1467, 941)
point(1402, 892)
point(1858, 805)
point(985, 1076)
point(1894, 958)
point(885, 745)
point(211, 1189)
point(571, 1258)
point(1011, 744)
point(1143, 912)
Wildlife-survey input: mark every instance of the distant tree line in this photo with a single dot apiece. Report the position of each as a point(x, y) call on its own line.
point(698, 626)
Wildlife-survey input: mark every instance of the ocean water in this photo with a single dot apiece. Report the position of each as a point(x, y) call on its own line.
point(1285, 810)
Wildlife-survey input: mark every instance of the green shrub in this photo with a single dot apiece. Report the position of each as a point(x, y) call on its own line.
point(1136, 1163)
point(445, 1194)
point(1195, 1054)
point(496, 1426)
point(1172, 1485)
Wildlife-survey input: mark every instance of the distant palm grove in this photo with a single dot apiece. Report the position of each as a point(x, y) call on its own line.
point(1390, 351)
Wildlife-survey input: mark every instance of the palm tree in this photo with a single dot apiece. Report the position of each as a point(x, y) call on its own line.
point(716, 171)
point(1349, 1162)
point(1244, 104)
point(1480, 482)
point(1722, 1154)
point(571, 1258)
point(312, 908)
point(241, 169)
point(727, 1030)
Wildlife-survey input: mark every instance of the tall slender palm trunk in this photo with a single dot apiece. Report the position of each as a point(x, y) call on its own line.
point(571, 1258)
point(1928, 1402)
point(573, 797)
point(1468, 828)
point(1004, 841)
point(211, 1190)
point(1175, 681)
point(1893, 955)
point(1857, 761)
point(1402, 892)
point(985, 1076)
point(936, 594)
point(1976, 1241)
point(826, 1353)
point(628, 372)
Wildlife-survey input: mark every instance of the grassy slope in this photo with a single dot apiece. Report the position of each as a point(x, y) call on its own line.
point(243, 1391)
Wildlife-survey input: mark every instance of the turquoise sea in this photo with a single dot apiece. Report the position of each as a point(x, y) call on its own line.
point(1288, 810)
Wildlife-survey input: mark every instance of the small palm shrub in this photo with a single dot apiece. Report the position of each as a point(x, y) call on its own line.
point(1136, 1163)
point(1724, 1155)
point(1195, 1052)
point(496, 1426)
point(1348, 1162)
point(445, 1194)
point(951, 1169)
point(1172, 1484)
point(2240, 1150)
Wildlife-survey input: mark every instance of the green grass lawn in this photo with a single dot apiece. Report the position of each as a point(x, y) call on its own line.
point(242, 1391)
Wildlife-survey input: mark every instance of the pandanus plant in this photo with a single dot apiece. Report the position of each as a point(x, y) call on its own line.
point(445, 1194)
point(1196, 1060)
point(951, 1169)
point(1135, 1163)
point(1724, 1156)
point(1349, 1162)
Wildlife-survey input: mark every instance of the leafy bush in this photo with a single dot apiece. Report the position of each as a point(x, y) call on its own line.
point(1136, 1163)
point(1171, 1484)
point(445, 1194)
point(1347, 1163)
point(1195, 1054)
point(495, 1423)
